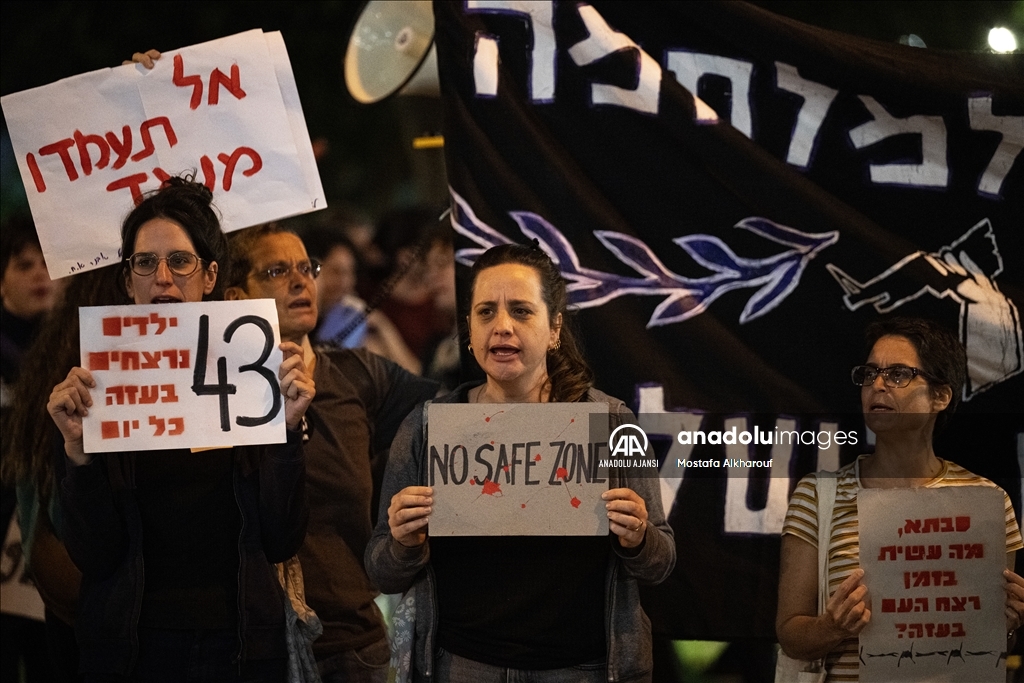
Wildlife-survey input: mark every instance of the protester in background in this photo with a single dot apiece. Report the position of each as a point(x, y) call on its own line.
point(411, 300)
point(29, 463)
point(342, 314)
point(27, 295)
point(405, 236)
point(911, 383)
point(596, 631)
point(441, 357)
point(205, 525)
point(361, 399)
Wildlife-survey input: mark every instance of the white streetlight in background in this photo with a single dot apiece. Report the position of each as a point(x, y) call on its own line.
point(1002, 40)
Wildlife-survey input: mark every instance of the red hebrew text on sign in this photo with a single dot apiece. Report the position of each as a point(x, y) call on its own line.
point(112, 327)
point(170, 359)
point(936, 525)
point(103, 145)
point(113, 429)
point(130, 394)
point(942, 604)
point(134, 182)
point(955, 630)
point(967, 551)
point(910, 552)
point(927, 578)
point(217, 79)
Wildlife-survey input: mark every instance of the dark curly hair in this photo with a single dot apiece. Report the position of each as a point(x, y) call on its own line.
point(29, 435)
point(943, 357)
point(19, 234)
point(569, 376)
point(189, 204)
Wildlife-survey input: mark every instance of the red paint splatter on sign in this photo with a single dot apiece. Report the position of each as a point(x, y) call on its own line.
point(537, 458)
point(561, 473)
point(472, 482)
point(575, 502)
point(523, 505)
point(505, 468)
point(490, 488)
point(487, 419)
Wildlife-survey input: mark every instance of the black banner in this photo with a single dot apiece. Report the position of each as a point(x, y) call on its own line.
point(726, 251)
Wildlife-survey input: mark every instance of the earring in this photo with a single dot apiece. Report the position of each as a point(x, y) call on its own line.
point(469, 347)
point(557, 345)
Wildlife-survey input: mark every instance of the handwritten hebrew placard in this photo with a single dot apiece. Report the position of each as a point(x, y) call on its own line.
point(88, 146)
point(191, 375)
point(933, 562)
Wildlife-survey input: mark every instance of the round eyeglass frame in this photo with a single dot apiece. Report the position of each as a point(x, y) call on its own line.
point(132, 262)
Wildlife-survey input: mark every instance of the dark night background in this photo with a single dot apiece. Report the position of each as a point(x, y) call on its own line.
point(369, 163)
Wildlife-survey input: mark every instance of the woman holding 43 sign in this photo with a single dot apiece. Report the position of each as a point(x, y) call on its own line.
point(175, 547)
point(563, 608)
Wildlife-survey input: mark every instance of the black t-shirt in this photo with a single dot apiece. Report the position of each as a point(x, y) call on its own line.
point(191, 526)
point(527, 602)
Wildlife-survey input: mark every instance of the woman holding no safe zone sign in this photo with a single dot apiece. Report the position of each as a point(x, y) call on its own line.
point(176, 547)
point(562, 608)
point(911, 381)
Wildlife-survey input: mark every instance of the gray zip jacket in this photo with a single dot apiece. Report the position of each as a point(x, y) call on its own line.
point(395, 568)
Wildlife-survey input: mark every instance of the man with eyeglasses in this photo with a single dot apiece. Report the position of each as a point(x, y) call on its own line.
point(361, 400)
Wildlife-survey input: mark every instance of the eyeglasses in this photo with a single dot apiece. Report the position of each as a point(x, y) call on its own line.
point(895, 377)
point(279, 272)
point(181, 263)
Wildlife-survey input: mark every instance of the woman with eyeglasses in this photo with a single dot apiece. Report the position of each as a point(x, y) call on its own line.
point(910, 384)
point(175, 547)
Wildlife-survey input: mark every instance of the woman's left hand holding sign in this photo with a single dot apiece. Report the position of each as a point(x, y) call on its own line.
point(297, 387)
point(69, 403)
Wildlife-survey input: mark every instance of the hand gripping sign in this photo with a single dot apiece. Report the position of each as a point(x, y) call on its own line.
point(90, 145)
point(192, 375)
point(516, 469)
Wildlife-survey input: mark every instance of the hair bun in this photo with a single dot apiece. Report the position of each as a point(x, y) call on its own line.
point(187, 183)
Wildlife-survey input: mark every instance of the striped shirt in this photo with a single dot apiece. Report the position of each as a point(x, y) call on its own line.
point(844, 545)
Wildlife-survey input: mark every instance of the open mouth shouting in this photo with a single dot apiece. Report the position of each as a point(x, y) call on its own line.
point(503, 352)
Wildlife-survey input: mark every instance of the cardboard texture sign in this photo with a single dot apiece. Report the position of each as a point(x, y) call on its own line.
point(933, 562)
point(517, 469)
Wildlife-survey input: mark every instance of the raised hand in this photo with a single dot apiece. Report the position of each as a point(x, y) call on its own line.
point(69, 403)
point(297, 386)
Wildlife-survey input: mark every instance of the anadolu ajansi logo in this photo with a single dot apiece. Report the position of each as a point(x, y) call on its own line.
point(627, 440)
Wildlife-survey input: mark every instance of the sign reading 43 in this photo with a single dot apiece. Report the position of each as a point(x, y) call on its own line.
point(196, 375)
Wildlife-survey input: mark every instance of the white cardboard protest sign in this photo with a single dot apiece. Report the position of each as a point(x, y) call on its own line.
point(933, 562)
point(87, 146)
point(516, 469)
point(191, 375)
